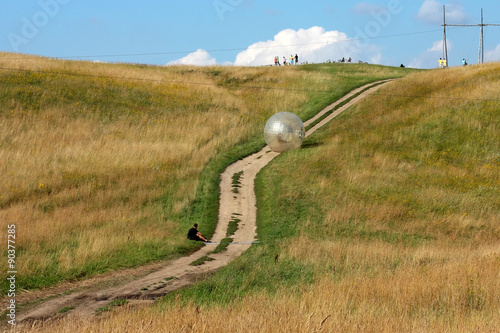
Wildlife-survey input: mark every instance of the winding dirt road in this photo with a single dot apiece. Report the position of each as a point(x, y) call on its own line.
point(169, 276)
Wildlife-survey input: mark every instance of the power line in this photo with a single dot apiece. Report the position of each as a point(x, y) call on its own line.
point(233, 49)
point(161, 80)
point(481, 35)
point(438, 97)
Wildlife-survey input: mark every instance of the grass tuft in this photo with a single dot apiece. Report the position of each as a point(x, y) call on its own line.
point(201, 261)
point(113, 304)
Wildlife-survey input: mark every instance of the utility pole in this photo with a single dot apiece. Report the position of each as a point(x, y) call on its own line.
point(480, 58)
point(481, 35)
point(445, 43)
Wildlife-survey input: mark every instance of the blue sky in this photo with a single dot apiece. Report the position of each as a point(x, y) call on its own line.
point(249, 32)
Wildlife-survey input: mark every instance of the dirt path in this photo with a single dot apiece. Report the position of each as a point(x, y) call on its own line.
point(169, 276)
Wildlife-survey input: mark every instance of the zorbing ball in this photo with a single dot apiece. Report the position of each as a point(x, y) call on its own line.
point(284, 131)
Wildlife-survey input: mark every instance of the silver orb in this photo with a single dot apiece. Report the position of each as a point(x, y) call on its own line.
point(284, 131)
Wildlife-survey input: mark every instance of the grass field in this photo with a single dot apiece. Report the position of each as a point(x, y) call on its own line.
point(106, 166)
point(387, 220)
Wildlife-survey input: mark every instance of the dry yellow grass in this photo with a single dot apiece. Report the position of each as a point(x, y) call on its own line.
point(462, 297)
point(100, 160)
point(399, 238)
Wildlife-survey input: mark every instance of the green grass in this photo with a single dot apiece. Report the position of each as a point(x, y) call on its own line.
point(66, 309)
point(338, 106)
point(236, 183)
point(111, 305)
point(201, 261)
point(232, 226)
point(224, 243)
point(237, 280)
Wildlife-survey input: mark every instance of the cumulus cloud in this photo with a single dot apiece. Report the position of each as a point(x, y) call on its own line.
point(199, 58)
point(437, 46)
point(312, 45)
point(493, 55)
point(432, 12)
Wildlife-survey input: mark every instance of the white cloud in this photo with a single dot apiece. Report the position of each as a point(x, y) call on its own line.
point(493, 55)
point(429, 58)
point(432, 12)
point(312, 45)
point(199, 58)
point(437, 46)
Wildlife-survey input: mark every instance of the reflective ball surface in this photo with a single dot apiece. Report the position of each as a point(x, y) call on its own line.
point(284, 131)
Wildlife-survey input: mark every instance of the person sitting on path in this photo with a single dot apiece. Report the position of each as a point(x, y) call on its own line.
point(194, 234)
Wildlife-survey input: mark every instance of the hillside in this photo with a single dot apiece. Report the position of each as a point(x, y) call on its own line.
point(107, 165)
point(387, 220)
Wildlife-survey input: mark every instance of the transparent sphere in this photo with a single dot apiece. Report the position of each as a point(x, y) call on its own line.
point(284, 131)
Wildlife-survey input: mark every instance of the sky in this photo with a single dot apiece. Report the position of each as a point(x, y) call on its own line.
point(250, 32)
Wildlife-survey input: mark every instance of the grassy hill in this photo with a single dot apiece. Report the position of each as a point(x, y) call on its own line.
point(106, 166)
point(388, 220)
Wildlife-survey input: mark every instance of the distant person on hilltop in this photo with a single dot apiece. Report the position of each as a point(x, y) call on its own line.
point(296, 59)
point(464, 62)
point(440, 63)
point(194, 234)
